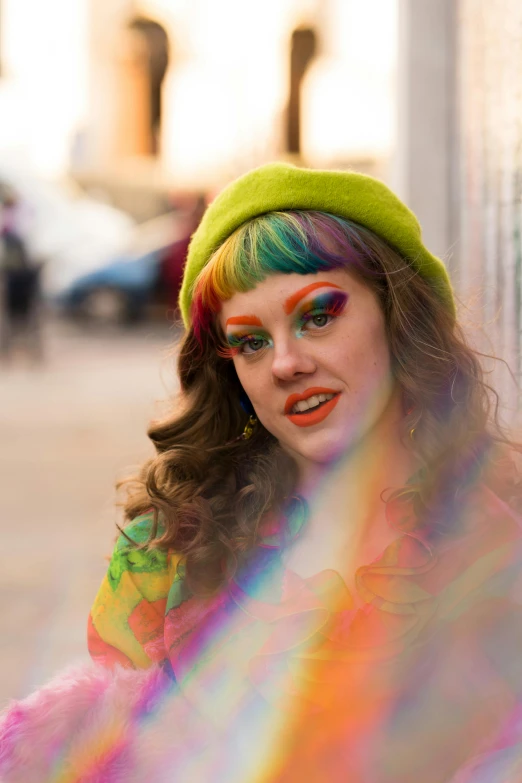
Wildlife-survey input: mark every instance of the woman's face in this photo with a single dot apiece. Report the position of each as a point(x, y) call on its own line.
point(312, 355)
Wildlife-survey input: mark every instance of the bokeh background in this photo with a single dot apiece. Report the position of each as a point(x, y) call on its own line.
point(119, 121)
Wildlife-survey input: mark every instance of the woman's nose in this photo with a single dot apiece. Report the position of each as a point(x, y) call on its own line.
point(292, 360)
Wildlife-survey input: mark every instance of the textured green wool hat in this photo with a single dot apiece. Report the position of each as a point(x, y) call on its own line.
point(280, 186)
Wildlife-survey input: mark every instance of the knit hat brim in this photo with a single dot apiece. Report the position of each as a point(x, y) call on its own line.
point(280, 186)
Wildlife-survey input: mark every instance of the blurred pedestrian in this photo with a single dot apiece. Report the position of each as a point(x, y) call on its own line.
point(20, 293)
point(320, 578)
point(172, 265)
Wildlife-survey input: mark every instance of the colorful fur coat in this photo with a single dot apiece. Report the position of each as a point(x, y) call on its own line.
point(92, 725)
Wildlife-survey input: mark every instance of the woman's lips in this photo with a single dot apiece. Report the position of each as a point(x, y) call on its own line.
point(314, 416)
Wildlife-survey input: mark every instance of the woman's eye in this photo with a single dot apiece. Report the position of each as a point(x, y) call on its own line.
point(253, 345)
point(318, 321)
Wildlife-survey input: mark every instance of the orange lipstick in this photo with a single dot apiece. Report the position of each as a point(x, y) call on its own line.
point(315, 416)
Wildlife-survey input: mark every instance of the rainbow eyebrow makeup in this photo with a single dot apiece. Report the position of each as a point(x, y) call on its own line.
point(330, 302)
point(244, 320)
point(296, 297)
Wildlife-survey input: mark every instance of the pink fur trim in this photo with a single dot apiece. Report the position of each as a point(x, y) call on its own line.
point(93, 725)
point(81, 722)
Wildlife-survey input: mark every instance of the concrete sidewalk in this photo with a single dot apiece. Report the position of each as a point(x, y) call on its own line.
point(68, 429)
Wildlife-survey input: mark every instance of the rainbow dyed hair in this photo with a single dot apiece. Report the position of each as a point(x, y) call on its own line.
point(302, 242)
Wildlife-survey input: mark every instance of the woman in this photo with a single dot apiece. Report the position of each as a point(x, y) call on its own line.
point(323, 557)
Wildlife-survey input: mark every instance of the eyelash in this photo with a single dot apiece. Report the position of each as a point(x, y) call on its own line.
point(236, 342)
point(332, 309)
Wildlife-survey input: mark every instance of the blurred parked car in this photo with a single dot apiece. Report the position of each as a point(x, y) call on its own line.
point(64, 228)
point(122, 290)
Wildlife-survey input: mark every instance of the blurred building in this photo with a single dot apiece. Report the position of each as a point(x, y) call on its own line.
point(193, 92)
point(207, 90)
point(490, 174)
point(459, 161)
point(44, 77)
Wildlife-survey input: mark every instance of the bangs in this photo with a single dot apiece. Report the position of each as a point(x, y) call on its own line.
point(302, 242)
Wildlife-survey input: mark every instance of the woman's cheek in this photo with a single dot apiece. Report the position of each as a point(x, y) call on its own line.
point(259, 402)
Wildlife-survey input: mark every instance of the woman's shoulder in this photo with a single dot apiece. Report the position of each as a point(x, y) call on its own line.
point(136, 549)
point(137, 532)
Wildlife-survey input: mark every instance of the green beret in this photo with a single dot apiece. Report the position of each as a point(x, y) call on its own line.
point(280, 186)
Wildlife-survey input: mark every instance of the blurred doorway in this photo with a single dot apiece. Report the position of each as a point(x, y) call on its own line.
point(146, 55)
point(302, 52)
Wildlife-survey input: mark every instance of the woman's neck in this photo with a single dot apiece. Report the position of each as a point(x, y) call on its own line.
point(347, 525)
point(379, 457)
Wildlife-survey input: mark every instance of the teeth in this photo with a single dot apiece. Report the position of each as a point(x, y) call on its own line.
point(311, 402)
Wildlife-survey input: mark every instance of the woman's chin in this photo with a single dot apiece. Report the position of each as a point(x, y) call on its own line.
point(321, 450)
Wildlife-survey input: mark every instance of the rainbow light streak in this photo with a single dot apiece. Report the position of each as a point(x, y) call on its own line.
point(282, 678)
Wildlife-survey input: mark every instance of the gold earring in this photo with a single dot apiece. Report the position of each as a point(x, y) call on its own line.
point(249, 427)
point(412, 433)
